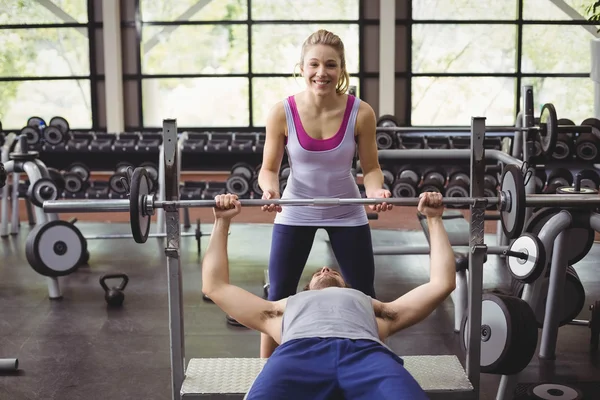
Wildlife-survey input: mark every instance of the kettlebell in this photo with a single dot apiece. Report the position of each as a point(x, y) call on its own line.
point(114, 296)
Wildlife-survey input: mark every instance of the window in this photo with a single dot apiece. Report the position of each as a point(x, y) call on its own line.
point(219, 64)
point(45, 70)
point(466, 60)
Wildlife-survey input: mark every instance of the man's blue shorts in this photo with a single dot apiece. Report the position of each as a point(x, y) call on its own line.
point(332, 368)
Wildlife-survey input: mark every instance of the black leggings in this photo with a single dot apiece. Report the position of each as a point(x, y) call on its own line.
point(291, 246)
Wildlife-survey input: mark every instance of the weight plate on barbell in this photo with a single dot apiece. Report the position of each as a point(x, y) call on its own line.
point(571, 190)
point(43, 189)
point(580, 240)
point(53, 135)
point(55, 248)
point(549, 132)
point(140, 187)
point(509, 334)
point(530, 269)
point(553, 391)
point(61, 124)
point(513, 214)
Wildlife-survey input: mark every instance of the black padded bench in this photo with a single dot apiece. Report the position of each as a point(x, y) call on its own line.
point(458, 230)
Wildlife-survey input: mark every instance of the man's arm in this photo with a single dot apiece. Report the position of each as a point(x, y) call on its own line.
point(417, 304)
point(246, 308)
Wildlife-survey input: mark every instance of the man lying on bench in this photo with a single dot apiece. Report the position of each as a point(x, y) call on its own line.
point(331, 336)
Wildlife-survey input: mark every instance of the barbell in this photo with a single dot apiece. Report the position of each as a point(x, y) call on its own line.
point(511, 202)
point(547, 129)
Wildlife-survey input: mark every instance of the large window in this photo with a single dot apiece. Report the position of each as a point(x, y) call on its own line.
point(45, 62)
point(224, 64)
point(471, 58)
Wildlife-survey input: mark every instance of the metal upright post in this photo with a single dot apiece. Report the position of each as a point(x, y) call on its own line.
point(171, 170)
point(477, 253)
point(529, 142)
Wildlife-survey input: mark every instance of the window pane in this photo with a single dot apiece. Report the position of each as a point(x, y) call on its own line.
point(32, 12)
point(453, 101)
point(547, 10)
point(205, 49)
point(196, 102)
point(46, 99)
point(555, 49)
point(194, 10)
point(266, 92)
point(277, 48)
point(44, 52)
point(572, 97)
point(464, 9)
point(305, 10)
point(463, 48)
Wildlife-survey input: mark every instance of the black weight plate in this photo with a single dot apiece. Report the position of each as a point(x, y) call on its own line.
point(238, 185)
point(43, 189)
point(123, 166)
point(36, 122)
point(152, 170)
point(509, 334)
point(387, 121)
point(580, 240)
point(53, 135)
point(513, 185)
point(73, 182)
point(549, 131)
point(595, 122)
point(140, 187)
point(61, 124)
point(243, 169)
point(55, 248)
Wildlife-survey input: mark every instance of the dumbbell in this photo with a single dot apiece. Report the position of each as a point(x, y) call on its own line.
point(80, 169)
point(388, 177)
point(586, 145)
point(239, 181)
point(123, 166)
point(405, 184)
point(458, 184)
point(564, 142)
point(116, 185)
point(434, 180)
point(557, 178)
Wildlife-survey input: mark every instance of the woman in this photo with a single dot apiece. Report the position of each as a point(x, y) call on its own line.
point(320, 128)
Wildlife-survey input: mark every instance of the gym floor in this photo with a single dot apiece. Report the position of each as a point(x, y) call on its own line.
point(76, 348)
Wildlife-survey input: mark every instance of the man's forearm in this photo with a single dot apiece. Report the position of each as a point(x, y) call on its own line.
point(373, 180)
point(215, 265)
point(443, 268)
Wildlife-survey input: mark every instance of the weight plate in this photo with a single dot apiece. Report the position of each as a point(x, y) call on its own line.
point(256, 187)
point(73, 182)
point(53, 135)
point(553, 391)
point(123, 166)
point(237, 184)
point(384, 140)
point(530, 269)
point(549, 129)
point(29, 156)
point(404, 187)
point(33, 134)
point(55, 248)
point(580, 240)
point(595, 122)
point(509, 334)
point(61, 124)
point(140, 187)
point(115, 183)
point(36, 122)
point(43, 189)
point(80, 169)
point(513, 186)
point(152, 170)
point(573, 298)
point(387, 121)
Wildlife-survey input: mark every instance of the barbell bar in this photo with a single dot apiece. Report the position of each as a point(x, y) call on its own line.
point(511, 202)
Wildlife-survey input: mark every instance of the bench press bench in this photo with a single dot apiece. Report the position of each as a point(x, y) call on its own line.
point(458, 229)
point(442, 377)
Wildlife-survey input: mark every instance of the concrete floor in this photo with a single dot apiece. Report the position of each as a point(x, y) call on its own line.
point(76, 348)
